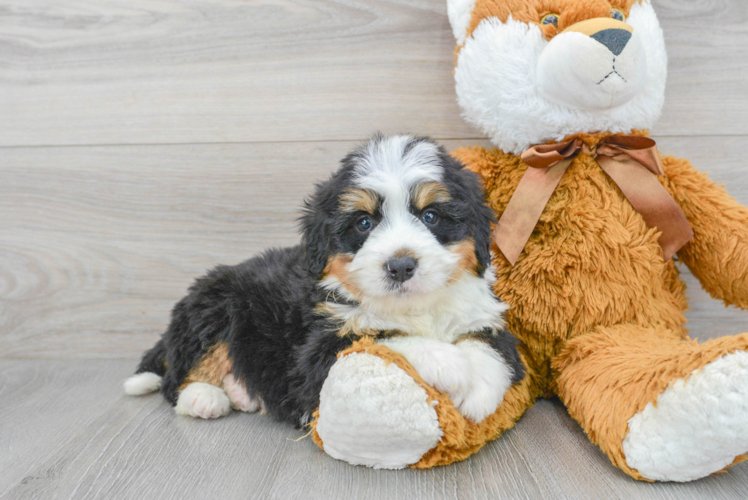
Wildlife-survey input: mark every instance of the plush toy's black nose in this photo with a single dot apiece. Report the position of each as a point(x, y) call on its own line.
point(401, 268)
point(615, 39)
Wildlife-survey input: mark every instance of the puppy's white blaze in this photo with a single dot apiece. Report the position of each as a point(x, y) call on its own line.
point(387, 169)
point(386, 160)
point(498, 89)
point(490, 378)
point(142, 383)
point(203, 400)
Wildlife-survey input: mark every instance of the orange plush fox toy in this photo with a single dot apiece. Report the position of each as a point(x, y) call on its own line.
point(591, 218)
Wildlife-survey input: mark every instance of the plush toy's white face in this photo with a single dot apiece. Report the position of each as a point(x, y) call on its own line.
point(530, 71)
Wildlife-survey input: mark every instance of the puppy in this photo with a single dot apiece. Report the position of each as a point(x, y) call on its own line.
point(395, 246)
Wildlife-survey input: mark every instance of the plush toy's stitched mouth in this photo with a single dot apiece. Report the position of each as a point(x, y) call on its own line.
point(614, 72)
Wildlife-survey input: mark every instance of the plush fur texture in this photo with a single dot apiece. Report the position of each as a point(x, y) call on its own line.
point(697, 425)
point(523, 83)
point(460, 437)
point(395, 247)
point(598, 310)
point(365, 425)
point(593, 302)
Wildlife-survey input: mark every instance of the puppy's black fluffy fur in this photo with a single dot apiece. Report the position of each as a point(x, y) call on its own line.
point(264, 308)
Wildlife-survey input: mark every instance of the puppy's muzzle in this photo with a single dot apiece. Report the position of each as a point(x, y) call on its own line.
point(401, 268)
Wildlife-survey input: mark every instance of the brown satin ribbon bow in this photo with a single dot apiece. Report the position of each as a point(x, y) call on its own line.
point(631, 161)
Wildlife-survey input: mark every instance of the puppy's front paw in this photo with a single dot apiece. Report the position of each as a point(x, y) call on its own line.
point(441, 365)
point(203, 401)
point(480, 401)
point(491, 377)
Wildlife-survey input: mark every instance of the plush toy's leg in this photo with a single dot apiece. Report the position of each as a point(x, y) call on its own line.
point(660, 407)
point(376, 410)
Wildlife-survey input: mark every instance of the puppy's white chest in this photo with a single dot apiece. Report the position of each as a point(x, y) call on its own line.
point(467, 306)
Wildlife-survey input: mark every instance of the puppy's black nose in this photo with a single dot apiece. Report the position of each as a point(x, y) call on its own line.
point(401, 267)
point(614, 39)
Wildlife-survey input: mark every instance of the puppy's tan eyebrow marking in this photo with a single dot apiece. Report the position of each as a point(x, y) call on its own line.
point(430, 192)
point(359, 200)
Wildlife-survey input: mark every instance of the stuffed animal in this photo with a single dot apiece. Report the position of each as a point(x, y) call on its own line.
point(591, 220)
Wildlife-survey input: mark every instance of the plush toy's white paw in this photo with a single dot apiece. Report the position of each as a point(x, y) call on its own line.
point(373, 413)
point(142, 383)
point(203, 400)
point(443, 366)
point(698, 426)
point(238, 395)
point(491, 377)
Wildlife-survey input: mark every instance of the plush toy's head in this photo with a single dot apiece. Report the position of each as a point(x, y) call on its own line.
point(531, 71)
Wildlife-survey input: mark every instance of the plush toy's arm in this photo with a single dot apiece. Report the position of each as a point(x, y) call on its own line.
point(718, 253)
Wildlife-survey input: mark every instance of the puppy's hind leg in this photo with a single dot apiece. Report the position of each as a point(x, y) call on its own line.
point(203, 400)
point(239, 397)
point(149, 375)
point(201, 395)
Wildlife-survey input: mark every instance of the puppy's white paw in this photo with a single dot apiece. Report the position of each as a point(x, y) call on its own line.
point(142, 383)
point(238, 395)
point(491, 377)
point(203, 401)
point(441, 365)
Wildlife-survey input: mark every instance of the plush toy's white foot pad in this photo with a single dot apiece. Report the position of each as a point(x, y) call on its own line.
point(142, 383)
point(203, 400)
point(238, 395)
point(698, 427)
point(373, 413)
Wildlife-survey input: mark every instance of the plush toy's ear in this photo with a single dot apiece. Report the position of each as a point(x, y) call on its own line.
point(460, 12)
point(317, 228)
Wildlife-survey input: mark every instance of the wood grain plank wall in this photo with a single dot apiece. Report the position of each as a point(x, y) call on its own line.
point(100, 242)
point(143, 142)
point(82, 72)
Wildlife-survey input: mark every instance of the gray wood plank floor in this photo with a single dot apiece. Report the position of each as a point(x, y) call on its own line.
point(142, 143)
point(75, 435)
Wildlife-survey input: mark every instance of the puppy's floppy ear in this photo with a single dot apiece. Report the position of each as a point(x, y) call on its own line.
point(317, 227)
point(482, 229)
point(481, 216)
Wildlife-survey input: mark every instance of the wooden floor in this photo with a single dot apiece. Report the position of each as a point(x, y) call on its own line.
point(142, 142)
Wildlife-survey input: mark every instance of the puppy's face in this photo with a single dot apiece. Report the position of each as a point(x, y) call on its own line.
point(401, 219)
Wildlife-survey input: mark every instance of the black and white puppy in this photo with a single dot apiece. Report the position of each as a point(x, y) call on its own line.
point(395, 245)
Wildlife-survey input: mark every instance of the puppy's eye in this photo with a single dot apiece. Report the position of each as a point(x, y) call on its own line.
point(618, 15)
point(364, 224)
point(430, 217)
point(550, 19)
